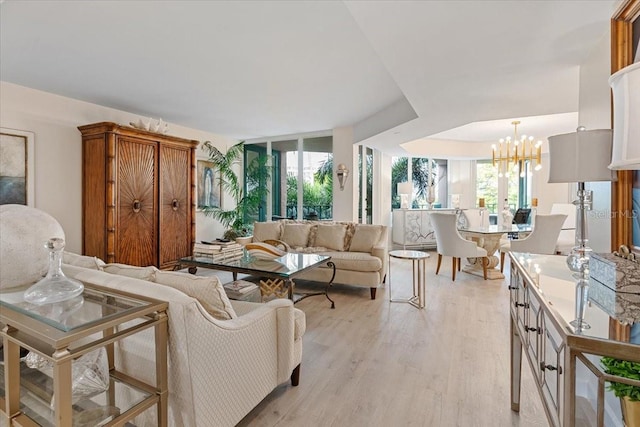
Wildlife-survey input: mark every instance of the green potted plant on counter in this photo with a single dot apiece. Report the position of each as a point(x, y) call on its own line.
point(629, 394)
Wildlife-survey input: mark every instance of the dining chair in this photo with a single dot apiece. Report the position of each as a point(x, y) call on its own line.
point(449, 242)
point(542, 240)
point(474, 217)
point(567, 238)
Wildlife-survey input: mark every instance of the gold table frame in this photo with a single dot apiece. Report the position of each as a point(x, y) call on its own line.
point(56, 345)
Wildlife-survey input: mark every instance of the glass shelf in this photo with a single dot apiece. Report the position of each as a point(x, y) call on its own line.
point(36, 392)
point(91, 307)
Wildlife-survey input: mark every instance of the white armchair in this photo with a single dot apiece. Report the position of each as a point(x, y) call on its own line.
point(567, 237)
point(219, 370)
point(450, 243)
point(542, 239)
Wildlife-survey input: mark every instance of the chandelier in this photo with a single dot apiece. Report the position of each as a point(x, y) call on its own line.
point(512, 153)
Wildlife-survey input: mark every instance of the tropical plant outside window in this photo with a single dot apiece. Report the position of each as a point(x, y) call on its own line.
point(317, 186)
point(487, 185)
point(249, 198)
point(420, 177)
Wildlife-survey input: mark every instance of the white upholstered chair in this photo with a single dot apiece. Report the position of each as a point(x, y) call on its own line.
point(450, 243)
point(567, 237)
point(473, 217)
point(542, 239)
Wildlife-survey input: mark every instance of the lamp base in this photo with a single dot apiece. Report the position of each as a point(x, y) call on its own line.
point(578, 259)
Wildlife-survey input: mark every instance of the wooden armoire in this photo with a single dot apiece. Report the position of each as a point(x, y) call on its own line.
point(138, 195)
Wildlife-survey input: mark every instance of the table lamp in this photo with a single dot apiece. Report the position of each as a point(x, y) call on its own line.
point(625, 85)
point(404, 190)
point(581, 156)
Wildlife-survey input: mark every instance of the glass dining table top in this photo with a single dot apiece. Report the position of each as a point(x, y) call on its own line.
point(499, 229)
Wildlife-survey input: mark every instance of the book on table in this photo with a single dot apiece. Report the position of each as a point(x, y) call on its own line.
point(239, 287)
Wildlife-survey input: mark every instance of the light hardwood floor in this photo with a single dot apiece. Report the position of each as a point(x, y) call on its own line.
point(376, 363)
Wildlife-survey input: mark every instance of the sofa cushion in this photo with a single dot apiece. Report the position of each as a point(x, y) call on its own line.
point(144, 273)
point(331, 236)
point(365, 237)
point(207, 290)
point(91, 262)
point(355, 261)
point(296, 235)
point(267, 231)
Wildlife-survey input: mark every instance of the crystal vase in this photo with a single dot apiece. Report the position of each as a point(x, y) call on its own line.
point(55, 286)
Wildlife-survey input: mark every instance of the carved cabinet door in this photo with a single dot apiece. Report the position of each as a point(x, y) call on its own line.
point(136, 238)
point(175, 206)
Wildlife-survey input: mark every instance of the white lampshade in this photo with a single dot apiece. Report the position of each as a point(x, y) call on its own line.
point(405, 188)
point(581, 156)
point(626, 118)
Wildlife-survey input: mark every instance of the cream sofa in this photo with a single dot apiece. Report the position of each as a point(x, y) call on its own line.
point(224, 357)
point(359, 251)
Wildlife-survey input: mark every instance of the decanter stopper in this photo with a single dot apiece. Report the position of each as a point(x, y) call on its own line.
point(55, 286)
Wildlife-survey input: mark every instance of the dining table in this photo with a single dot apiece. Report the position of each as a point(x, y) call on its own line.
point(489, 238)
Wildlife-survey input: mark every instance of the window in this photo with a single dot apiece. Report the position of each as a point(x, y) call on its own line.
point(487, 185)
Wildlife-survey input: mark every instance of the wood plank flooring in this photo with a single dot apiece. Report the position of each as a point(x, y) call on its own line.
point(376, 363)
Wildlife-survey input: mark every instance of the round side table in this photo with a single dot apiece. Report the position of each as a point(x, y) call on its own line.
point(418, 260)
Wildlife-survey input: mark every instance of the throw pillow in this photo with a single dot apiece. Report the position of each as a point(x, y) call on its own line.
point(365, 237)
point(143, 273)
point(266, 231)
point(296, 235)
point(331, 236)
point(91, 262)
point(207, 290)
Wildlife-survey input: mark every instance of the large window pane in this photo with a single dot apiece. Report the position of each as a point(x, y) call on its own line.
point(487, 185)
point(317, 191)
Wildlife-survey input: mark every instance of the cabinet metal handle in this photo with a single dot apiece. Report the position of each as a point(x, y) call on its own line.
point(513, 287)
point(521, 304)
point(175, 204)
point(527, 328)
point(136, 205)
point(550, 368)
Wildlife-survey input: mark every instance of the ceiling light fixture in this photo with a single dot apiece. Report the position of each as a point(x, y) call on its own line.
point(514, 152)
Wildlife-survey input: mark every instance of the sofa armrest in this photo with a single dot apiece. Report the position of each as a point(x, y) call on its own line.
point(381, 250)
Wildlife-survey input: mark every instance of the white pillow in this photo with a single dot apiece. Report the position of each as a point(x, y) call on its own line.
point(91, 262)
point(143, 273)
point(365, 237)
point(331, 236)
point(207, 290)
point(296, 235)
point(266, 231)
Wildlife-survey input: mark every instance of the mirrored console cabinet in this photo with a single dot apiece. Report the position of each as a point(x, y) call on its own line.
point(566, 360)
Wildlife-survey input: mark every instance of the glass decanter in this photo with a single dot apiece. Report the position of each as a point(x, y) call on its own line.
point(55, 286)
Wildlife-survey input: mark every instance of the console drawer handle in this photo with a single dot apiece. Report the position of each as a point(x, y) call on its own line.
point(550, 368)
point(523, 304)
point(527, 328)
point(513, 287)
point(174, 204)
point(136, 205)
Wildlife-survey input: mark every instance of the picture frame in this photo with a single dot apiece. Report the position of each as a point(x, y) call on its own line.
point(209, 185)
point(17, 167)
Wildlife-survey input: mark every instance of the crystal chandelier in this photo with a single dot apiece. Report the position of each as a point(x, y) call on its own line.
point(512, 153)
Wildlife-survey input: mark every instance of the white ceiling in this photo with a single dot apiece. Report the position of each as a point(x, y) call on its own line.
point(430, 72)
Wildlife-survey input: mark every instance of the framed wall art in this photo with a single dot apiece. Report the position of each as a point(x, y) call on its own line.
point(208, 184)
point(17, 167)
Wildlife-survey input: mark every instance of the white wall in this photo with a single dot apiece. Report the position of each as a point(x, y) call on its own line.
point(595, 113)
point(58, 151)
point(345, 202)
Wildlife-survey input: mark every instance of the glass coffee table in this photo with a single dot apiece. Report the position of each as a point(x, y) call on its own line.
point(276, 275)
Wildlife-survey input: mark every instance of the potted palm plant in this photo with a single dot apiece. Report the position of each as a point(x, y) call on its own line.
point(238, 220)
point(629, 394)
